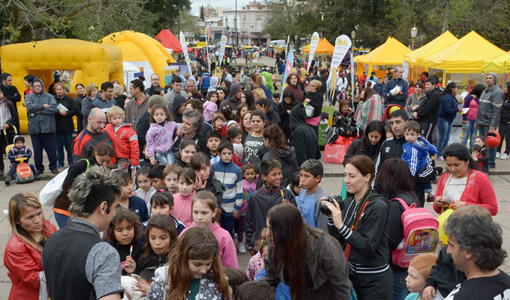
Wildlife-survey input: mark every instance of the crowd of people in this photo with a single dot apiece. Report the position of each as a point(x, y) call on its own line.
point(171, 183)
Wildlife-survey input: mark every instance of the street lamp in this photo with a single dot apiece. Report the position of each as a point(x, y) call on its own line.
point(414, 32)
point(353, 36)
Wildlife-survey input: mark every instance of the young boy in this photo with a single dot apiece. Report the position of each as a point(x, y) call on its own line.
point(478, 156)
point(309, 199)
point(218, 123)
point(124, 139)
point(230, 175)
point(269, 195)
point(276, 99)
point(157, 178)
point(171, 176)
point(214, 139)
point(417, 151)
point(162, 203)
point(205, 179)
point(263, 104)
point(18, 151)
point(418, 272)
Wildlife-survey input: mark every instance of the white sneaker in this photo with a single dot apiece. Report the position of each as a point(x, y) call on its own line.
point(497, 154)
point(504, 156)
point(241, 248)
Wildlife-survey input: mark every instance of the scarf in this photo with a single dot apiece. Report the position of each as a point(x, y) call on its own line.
point(5, 112)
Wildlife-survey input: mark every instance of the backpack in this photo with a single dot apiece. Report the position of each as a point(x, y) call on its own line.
point(420, 234)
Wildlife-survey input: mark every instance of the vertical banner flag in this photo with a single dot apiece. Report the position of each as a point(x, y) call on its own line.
point(207, 56)
point(342, 45)
point(184, 46)
point(288, 67)
point(405, 65)
point(313, 47)
point(223, 43)
point(352, 76)
point(287, 46)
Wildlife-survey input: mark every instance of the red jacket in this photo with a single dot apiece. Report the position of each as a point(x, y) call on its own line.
point(125, 143)
point(24, 264)
point(478, 191)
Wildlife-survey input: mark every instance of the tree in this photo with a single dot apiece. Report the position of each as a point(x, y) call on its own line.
point(202, 15)
point(168, 12)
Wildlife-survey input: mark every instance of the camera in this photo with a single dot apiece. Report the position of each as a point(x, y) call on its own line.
point(325, 210)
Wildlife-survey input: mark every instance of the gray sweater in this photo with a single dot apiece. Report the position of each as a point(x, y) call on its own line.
point(489, 108)
point(41, 119)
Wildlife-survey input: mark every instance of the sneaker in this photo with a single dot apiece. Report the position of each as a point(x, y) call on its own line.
point(430, 198)
point(497, 154)
point(54, 171)
point(504, 156)
point(241, 248)
point(8, 180)
point(38, 172)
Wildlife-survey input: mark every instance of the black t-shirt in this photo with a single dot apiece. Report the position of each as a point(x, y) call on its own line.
point(494, 287)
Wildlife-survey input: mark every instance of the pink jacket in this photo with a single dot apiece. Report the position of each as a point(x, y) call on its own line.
point(478, 191)
point(228, 254)
point(209, 108)
point(160, 138)
point(182, 208)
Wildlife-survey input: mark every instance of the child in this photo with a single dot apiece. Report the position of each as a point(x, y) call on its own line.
point(226, 113)
point(210, 106)
point(349, 92)
point(256, 262)
point(157, 178)
point(214, 139)
point(249, 186)
point(294, 184)
point(483, 160)
point(145, 189)
point(18, 151)
point(457, 122)
point(418, 272)
point(417, 151)
point(276, 99)
point(123, 233)
point(171, 175)
point(144, 159)
point(230, 175)
point(476, 153)
point(160, 236)
point(232, 124)
point(343, 95)
point(204, 212)
point(218, 123)
point(205, 179)
point(259, 290)
point(389, 133)
point(162, 203)
point(128, 200)
point(235, 278)
point(235, 136)
point(183, 199)
point(269, 195)
point(124, 139)
point(309, 200)
point(193, 270)
point(272, 116)
point(160, 136)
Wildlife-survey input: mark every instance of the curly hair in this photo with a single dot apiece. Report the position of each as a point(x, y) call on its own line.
point(123, 214)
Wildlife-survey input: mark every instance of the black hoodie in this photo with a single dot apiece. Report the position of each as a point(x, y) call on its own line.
point(178, 100)
point(303, 136)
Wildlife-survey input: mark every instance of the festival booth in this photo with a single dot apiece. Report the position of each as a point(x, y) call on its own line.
point(170, 42)
point(414, 58)
point(323, 47)
point(388, 54)
point(499, 64)
point(143, 52)
point(92, 62)
point(463, 57)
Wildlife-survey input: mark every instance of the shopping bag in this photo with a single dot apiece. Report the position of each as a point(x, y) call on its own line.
point(334, 153)
point(52, 189)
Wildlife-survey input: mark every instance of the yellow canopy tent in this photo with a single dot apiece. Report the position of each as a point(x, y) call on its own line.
point(323, 47)
point(464, 56)
point(499, 64)
point(390, 53)
point(439, 43)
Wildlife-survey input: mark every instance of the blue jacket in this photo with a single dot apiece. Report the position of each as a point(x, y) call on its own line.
point(231, 177)
point(449, 107)
point(14, 152)
point(415, 154)
point(401, 97)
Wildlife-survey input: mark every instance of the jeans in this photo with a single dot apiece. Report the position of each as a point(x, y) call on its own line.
point(504, 131)
point(65, 139)
point(445, 128)
point(48, 142)
point(470, 133)
point(483, 129)
point(227, 222)
point(165, 158)
point(61, 219)
point(399, 286)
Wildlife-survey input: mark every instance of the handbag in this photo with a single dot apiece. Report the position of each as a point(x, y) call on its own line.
point(334, 153)
point(309, 110)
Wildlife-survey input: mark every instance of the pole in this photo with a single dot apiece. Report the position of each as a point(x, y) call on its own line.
point(236, 23)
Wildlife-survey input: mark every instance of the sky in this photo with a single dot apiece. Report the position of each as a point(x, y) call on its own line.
point(195, 4)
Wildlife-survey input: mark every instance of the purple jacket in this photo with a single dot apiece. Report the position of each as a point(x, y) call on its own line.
point(160, 138)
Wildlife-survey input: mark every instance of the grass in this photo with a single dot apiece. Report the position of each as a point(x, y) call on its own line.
point(328, 109)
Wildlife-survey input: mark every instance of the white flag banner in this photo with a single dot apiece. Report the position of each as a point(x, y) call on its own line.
point(223, 43)
point(405, 65)
point(313, 47)
point(184, 46)
point(342, 45)
point(287, 46)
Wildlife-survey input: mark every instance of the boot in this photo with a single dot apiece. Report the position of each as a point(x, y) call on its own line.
point(8, 180)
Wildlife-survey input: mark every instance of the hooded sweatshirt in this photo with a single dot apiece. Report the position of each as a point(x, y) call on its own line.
point(178, 100)
point(40, 119)
point(213, 84)
point(303, 137)
point(231, 101)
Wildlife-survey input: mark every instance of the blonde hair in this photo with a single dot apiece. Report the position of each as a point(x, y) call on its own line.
point(90, 88)
point(459, 98)
point(424, 263)
point(259, 93)
point(17, 206)
point(316, 83)
point(115, 111)
point(117, 90)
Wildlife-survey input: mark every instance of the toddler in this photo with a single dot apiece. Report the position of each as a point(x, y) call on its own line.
point(124, 139)
point(418, 272)
point(482, 159)
point(235, 136)
point(18, 151)
point(210, 106)
point(249, 186)
point(218, 123)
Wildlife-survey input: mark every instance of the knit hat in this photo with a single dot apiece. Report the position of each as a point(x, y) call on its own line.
point(155, 99)
point(231, 122)
point(495, 77)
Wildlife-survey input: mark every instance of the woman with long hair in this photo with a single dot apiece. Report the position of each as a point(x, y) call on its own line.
point(22, 255)
point(306, 259)
point(396, 181)
point(371, 109)
point(356, 92)
point(250, 99)
point(448, 112)
point(288, 102)
point(277, 146)
point(469, 119)
point(293, 85)
point(361, 225)
point(370, 144)
point(504, 124)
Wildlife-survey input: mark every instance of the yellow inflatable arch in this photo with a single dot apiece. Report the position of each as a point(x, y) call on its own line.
point(93, 62)
point(137, 47)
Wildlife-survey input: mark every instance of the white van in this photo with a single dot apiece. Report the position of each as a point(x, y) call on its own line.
point(278, 43)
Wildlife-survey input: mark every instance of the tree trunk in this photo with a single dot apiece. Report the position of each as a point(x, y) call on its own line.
point(446, 22)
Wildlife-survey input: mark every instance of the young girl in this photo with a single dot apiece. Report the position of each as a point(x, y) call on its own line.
point(226, 113)
point(145, 189)
point(484, 160)
point(205, 208)
point(128, 200)
point(245, 124)
point(249, 186)
point(183, 200)
point(193, 271)
point(160, 136)
point(256, 262)
point(219, 125)
point(210, 106)
point(254, 142)
point(187, 149)
point(241, 110)
point(235, 136)
point(171, 174)
point(123, 233)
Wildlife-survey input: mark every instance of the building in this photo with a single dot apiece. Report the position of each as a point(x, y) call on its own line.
point(251, 20)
